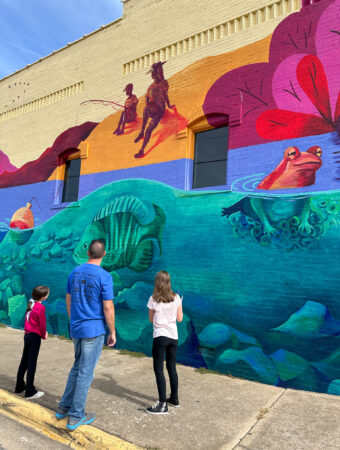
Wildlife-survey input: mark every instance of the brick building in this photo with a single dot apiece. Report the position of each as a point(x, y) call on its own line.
point(197, 138)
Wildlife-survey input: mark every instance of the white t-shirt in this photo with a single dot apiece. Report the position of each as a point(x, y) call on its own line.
point(165, 317)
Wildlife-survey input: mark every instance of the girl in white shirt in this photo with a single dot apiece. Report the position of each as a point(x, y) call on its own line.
point(165, 308)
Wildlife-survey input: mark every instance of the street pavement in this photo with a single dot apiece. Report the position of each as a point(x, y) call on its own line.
point(15, 436)
point(216, 412)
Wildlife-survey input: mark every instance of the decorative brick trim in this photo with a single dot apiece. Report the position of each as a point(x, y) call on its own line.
point(279, 8)
point(39, 103)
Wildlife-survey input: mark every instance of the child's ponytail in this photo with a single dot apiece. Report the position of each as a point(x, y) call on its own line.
point(30, 305)
point(38, 293)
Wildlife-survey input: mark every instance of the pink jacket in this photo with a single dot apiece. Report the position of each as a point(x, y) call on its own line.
point(36, 322)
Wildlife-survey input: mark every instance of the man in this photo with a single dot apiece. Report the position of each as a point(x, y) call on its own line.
point(89, 302)
point(129, 114)
point(156, 98)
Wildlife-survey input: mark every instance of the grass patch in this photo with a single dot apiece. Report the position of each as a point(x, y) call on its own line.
point(262, 413)
point(132, 354)
point(2, 325)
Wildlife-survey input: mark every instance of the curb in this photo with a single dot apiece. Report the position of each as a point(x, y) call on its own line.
point(43, 420)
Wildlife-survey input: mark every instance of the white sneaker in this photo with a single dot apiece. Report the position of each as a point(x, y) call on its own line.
point(36, 395)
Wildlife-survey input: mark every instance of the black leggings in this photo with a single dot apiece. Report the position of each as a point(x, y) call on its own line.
point(164, 346)
point(28, 362)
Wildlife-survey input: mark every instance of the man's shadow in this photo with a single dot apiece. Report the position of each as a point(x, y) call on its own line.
point(110, 387)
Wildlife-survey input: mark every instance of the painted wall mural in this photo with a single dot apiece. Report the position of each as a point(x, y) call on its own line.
point(295, 95)
point(257, 261)
point(279, 324)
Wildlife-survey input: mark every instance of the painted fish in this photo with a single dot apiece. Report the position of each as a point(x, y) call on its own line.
point(130, 230)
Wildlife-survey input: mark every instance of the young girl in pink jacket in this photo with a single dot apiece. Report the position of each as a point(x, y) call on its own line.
point(35, 330)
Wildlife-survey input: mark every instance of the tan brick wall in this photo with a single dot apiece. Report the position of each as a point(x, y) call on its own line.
point(98, 61)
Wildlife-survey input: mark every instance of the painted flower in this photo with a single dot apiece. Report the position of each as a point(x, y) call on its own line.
point(308, 94)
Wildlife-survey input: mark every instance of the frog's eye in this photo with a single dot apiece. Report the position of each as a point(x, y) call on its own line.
point(291, 153)
point(315, 150)
point(85, 245)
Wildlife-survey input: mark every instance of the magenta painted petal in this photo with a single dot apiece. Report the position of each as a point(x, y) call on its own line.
point(287, 91)
point(328, 48)
point(244, 92)
point(312, 78)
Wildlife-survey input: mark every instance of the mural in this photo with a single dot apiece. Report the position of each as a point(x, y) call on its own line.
point(257, 262)
point(279, 325)
point(295, 95)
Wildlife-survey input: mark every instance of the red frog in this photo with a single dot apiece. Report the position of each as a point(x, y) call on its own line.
point(297, 169)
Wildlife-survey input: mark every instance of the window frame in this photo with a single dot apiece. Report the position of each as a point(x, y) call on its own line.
point(73, 157)
point(198, 126)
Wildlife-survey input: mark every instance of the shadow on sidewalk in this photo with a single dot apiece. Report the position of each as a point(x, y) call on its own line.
point(109, 386)
point(48, 400)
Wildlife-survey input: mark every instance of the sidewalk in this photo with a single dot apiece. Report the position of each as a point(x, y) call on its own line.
point(217, 412)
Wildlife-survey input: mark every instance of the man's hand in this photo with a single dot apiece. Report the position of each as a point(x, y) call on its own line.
point(111, 339)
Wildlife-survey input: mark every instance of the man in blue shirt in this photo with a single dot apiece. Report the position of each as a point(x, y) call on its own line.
point(89, 301)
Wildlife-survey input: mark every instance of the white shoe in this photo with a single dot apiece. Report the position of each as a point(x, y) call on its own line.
point(36, 395)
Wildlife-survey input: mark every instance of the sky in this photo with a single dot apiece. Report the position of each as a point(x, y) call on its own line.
point(32, 29)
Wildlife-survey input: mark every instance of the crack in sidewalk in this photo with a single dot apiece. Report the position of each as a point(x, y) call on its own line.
point(258, 420)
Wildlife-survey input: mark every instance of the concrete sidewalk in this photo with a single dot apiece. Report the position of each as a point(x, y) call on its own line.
point(217, 412)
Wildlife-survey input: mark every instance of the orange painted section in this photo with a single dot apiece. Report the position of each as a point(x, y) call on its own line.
point(187, 90)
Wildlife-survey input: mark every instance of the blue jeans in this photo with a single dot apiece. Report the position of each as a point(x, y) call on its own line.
point(86, 354)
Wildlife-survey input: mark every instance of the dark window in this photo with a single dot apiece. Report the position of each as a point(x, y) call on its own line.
point(71, 181)
point(210, 163)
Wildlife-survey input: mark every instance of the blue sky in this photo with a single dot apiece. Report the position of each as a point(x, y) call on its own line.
point(32, 29)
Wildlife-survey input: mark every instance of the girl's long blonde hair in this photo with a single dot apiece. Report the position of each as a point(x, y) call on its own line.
point(162, 291)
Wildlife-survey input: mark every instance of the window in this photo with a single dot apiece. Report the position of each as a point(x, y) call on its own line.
point(210, 162)
point(71, 180)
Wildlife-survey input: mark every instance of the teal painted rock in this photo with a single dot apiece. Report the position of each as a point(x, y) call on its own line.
point(214, 335)
point(22, 254)
point(254, 358)
point(330, 366)
point(217, 333)
point(334, 387)
point(35, 251)
point(131, 323)
point(137, 296)
point(64, 233)
point(183, 329)
point(8, 292)
point(17, 306)
point(16, 284)
point(7, 260)
point(244, 338)
point(46, 245)
point(288, 364)
point(56, 251)
point(3, 316)
point(4, 284)
point(306, 321)
point(67, 242)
